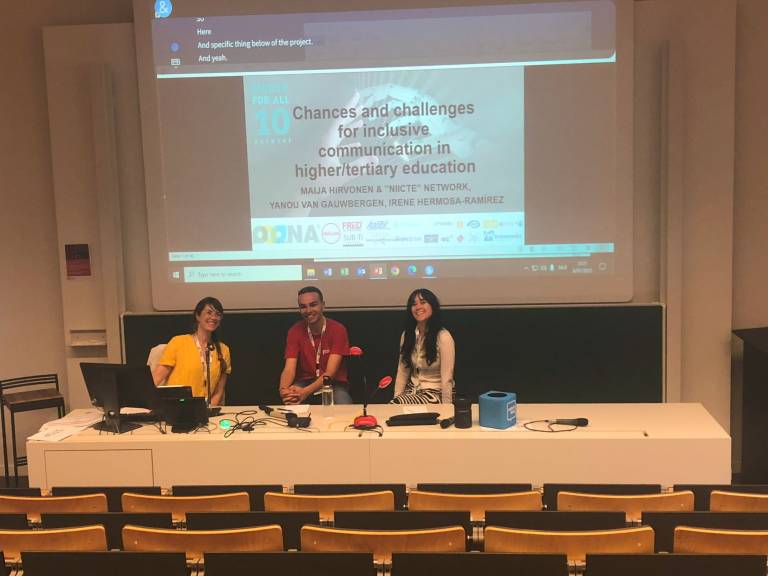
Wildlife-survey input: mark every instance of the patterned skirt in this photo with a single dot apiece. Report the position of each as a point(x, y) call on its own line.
point(413, 396)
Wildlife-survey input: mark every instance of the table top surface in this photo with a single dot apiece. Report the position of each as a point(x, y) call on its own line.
point(616, 421)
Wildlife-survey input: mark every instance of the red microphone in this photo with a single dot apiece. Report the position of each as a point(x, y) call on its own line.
point(366, 422)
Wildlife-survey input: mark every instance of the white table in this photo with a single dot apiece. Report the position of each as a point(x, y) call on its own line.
point(624, 443)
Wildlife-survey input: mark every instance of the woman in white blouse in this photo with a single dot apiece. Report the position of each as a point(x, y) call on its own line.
point(427, 354)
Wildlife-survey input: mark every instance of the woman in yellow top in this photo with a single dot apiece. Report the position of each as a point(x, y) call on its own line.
point(188, 358)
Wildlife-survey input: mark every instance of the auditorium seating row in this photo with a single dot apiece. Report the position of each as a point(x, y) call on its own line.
point(343, 519)
point(403, 564)
point(549, 492)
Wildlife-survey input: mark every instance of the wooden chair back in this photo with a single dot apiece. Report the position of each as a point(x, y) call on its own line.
point(633, 505)
point(178, 506)
point(255, 491)
point(720, 541)
point(113, 493)
point(701, 492)
point(477, 504)
point(576, 545)
point(34, 506)
point(111, 563)
point(382, 543)
point(722, 501)
point(194, 543)
point(484, 564)
point(398, 489)
point(326, 505)
point(675, 565)
point(290, 563)
point(552, 489)
point(290, 522)
point(82, 538)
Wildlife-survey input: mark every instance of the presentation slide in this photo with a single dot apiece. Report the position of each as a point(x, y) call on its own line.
point(481, 151)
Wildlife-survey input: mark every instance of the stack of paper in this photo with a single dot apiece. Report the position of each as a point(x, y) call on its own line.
point(72, 423)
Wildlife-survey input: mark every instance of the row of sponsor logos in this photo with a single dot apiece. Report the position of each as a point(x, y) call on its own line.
point(333, 233)
point(369, 271)
point(485, 223)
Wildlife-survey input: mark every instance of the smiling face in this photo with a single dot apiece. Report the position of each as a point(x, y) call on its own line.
point(311, 308)
point(421, 309)
point(208, 318)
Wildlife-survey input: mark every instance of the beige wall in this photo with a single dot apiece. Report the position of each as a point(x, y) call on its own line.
point(31, 331)
point(31, 324)
point(750, 241)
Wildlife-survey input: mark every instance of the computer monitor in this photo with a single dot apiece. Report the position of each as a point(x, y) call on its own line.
point(116, 386)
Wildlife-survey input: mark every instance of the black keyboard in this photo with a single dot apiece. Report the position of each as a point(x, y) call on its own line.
point(140, 417)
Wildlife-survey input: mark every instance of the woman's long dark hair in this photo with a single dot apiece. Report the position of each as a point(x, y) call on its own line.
point(216, 305)
point(433, 326)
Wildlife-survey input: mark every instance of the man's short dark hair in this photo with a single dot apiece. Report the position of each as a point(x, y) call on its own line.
point(310, 289)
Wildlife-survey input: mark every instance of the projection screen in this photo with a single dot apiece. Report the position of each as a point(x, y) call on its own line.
point(481, 150)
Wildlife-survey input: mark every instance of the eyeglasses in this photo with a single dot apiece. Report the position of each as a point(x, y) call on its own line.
point(212, 313)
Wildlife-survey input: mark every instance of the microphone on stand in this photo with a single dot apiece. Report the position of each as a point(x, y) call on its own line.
point(366, 422)
point(208, 375)
point(215, 411)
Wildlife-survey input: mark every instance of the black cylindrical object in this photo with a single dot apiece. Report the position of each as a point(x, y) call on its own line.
point(462, 412)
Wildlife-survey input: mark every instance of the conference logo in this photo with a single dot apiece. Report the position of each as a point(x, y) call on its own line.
point(331, 234)
point(282, 234)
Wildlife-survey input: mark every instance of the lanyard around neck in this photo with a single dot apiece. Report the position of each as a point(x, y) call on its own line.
point(317, 347)
point(202, 350)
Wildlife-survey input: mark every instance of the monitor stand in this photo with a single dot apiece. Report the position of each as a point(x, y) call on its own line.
point(116, 427)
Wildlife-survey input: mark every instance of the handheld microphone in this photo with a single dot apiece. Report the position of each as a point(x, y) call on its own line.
point(266, 409)
point(578, 422)
point(446, 422)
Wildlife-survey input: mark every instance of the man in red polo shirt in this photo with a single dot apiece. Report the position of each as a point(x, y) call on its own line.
point(314, 348)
